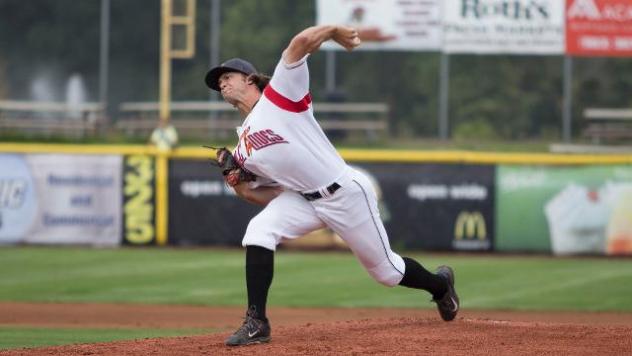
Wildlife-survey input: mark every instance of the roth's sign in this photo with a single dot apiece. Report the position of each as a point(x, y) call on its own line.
point(510, 9)
point(503, 26)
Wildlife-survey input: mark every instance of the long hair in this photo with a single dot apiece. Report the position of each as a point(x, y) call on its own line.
point(259, 79)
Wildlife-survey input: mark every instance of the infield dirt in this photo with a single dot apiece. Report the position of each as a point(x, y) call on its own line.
point(318, 331)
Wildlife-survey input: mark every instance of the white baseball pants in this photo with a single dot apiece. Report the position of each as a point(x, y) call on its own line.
point(352, 212)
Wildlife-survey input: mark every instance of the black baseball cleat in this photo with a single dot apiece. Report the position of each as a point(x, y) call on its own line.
point(252, 331)
point(448, 305)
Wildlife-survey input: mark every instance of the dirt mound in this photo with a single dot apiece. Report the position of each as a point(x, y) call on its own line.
point(337, 331)
point(403, 336)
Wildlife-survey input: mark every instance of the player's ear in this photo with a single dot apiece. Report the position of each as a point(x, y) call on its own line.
point(259, 80)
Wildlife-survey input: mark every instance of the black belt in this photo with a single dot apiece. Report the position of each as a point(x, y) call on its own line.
point(316, 195)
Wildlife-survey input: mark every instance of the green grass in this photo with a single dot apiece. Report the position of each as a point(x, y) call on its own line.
point(216, 277)
point(11, 337)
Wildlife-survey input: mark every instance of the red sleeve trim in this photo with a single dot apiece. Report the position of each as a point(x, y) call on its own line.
point(286, 104)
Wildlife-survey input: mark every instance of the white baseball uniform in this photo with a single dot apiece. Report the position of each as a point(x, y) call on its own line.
point(280, 141)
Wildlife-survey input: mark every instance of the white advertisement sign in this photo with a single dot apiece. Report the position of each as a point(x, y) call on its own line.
point(80, 199)
point(501, 26)
point(18, 200)
point(591, 220)
point(60, 199)
point(412, 25)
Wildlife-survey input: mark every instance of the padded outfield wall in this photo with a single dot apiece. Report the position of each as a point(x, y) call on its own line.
point(436, 201)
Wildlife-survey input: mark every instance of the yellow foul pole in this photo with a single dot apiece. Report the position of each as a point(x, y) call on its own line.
point(162, 204)
point(168, 22)
point(165, 59)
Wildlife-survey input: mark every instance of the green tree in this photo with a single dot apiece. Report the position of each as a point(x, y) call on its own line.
point(48, 38)
point(492, 96)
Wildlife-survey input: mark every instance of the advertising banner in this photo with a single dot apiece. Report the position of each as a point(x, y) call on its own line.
point(599, 27)
point(566, 210)
point(423, 206)
point(492, 26)
point(202, 209)
point(386, 24)
point(436, 206)
point(18, 198)
point(139, 202)
point(60, 199)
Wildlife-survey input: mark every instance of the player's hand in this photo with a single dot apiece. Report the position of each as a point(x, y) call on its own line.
point(233, 177)
point(347, 37)
point(374, 34)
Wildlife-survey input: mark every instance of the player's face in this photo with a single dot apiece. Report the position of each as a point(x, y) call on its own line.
point(233, 86)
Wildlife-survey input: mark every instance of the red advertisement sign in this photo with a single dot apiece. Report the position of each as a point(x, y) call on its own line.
point(599, 27)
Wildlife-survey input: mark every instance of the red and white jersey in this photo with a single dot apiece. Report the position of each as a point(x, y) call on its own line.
point(280, 139)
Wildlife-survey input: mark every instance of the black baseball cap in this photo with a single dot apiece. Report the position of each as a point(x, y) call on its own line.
point(231, 65)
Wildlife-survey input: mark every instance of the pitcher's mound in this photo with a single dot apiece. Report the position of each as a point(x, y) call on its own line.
point(397, 336)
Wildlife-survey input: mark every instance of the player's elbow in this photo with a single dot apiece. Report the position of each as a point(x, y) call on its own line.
point(242, 190)
point(301, 40)
point(249, 195)
point(302, 44)
point(308, 41)
point(256, 200)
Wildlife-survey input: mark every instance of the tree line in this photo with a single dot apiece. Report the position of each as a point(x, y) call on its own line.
point(491, 96)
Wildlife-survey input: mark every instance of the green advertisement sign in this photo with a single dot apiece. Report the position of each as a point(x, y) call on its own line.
point(564, 209)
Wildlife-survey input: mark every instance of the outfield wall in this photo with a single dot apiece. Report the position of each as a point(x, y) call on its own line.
point(443, 201)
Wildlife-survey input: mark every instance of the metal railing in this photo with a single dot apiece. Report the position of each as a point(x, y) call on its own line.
point(608, 124)
point(49, 118)
point(215, 118)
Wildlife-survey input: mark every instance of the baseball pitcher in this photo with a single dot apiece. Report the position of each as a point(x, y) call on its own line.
point(284, 161)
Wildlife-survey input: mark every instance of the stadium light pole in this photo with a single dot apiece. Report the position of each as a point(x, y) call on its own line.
point(444, 88)
point(567, 111)
point(214, 35)
point(165, 59)
point(104, 55)
point(330, 72)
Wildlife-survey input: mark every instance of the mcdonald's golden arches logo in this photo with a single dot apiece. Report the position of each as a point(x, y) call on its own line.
point(470, 232)
point(470, 225)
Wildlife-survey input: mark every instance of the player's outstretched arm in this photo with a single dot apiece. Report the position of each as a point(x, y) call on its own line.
point(310, 39)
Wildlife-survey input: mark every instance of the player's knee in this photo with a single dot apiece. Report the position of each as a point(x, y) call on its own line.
point(261, 241)
point(386, 274)
point(260, 233)
point(389, 280)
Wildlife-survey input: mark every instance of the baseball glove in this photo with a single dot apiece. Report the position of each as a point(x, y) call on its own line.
point(231, 170)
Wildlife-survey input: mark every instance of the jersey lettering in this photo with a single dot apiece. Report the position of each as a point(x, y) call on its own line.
point(257, 140)
point(264, 138)
point(244, 138)
point(274, 137)
point(239, 156)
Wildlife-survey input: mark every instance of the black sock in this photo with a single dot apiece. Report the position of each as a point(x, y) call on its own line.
point(259, 271)
point(416, 276)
